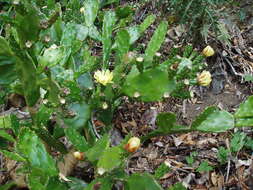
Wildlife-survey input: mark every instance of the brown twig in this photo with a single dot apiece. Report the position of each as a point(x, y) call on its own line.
point(229, 160)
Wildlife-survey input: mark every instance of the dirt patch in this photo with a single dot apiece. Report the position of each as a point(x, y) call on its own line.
point(228, 100)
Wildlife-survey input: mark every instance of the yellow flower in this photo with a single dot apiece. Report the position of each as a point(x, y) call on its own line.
point(204, 78)
point(208, 51)
point(104, 77)
point(133, 144)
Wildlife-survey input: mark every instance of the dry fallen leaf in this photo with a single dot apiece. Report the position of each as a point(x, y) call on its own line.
point(68, 164)
point(240, 163)
point(19, 178)
point(63, 178)
point(207, 141)
point(214, 179)
point(186, 181)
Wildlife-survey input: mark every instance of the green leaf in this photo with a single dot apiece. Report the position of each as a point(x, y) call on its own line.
point(28, 25)
point(108, 23)
point(94, 153)
point(244, 122)
point(72, 37)
point(68, 35)
point(7, 73)
point(37, 180)
point(4, 47)
point(51, 56)
point(191, 159)
point(142, 181)
point(43, 115)
point(5, 121)
point(15, 124)
point(76, 184)
point(55, 184)
point(13, 156)
point(203, 116)
point(223, 155)
point(249, 143)
point(146, 23)
point(76, 139)
point(122, 43)
point(82, 32)
point(108, 2)
point(136, 31)
point(237, 142)
point(204, 167)
point(7, 63)
point(8, 186)
point(86, 81)
point(35, 152)
point(6, 135)
point(165, 121)
point(224, 34)
point(184, 64)
point(50, 140)
point(213, 120)
point(248, 78)
point(90, 136)
point(110, 159)
point(124, 12)
point(90, 13)
point(26, 70)
point(103, 184)
point(161, 171)
point(245, 109)
point(94, 33)
point(58, 131)
point(53, 89)
point(88, 64)
point(187, 51)
point(155, 42)
point(177, 186)
point(150, 85)
point(82, 115)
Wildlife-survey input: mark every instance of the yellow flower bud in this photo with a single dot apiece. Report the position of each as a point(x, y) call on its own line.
point(101, 171)
point(137, 94)
point(82, 9)
point(204, 78)
point(78, 155)
point(104, 77)
point(28, 44)
point(104, 105)
point(133, 144)
point(62, 101)
point(158, 54)
point(16, 2)
point(139, 59)
point(166, 95)
point(208, 51)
